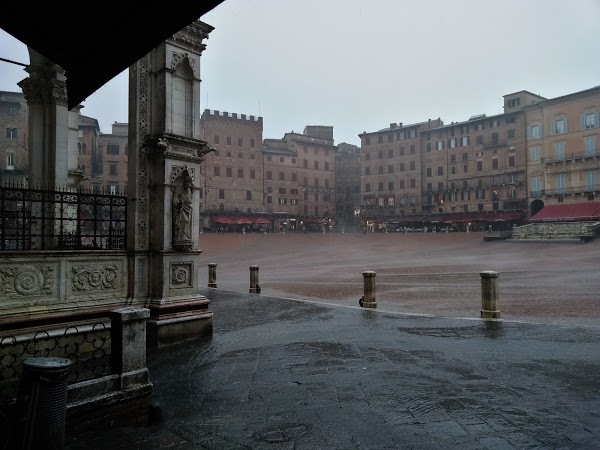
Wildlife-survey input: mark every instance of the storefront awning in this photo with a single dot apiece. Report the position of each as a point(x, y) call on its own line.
point(568, 213)
point(223, 220)
point(498, 216)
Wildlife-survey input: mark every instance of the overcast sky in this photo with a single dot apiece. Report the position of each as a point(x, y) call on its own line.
point(360, 65)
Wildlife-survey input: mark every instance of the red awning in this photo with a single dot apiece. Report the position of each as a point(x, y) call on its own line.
point(261, 220)
point(243, 221)
point(565, 213)
point(509, 216)
point(223, 220)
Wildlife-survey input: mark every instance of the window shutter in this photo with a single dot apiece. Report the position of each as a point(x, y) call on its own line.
point(566, 125)
point(582, 122)
point(553, 130)
point(596, 122)
point(529, 133)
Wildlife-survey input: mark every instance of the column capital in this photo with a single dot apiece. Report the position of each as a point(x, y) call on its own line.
point(46, 83)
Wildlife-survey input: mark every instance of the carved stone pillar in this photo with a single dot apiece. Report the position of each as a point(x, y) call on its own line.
point(53, 129)
point(164, 192)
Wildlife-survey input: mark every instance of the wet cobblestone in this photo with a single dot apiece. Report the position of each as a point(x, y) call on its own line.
point(281, 373)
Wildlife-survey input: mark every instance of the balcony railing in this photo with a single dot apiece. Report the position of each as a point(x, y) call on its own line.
point(572, 157)
point(573, 190)
point(40, 219)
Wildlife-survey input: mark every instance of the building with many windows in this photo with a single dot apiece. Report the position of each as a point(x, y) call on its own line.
point(88, 157)
point(347, 185)
point(102, 157)
point(474, 166)
point(562, 149)
point(232, 176)
point(14, 140)
point(281, 191)
point(391, 161)
point(288, 180)
point(113, 151)
point(501, 169)
point(316, 172)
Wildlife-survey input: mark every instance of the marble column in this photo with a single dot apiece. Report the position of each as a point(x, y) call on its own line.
point(164, 191)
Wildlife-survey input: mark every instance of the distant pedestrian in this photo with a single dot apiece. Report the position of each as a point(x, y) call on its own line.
point(257, 289)
point(361, 301)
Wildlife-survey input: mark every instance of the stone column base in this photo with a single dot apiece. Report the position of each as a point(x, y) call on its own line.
point(172, 321)
point(490, 314)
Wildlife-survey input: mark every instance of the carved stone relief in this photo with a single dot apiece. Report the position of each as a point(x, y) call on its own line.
point(142, 164)
point(27, 280)
point(177, 171)
point(182, 212)
point(95, 277)
point(181, 274)
point(178, 58)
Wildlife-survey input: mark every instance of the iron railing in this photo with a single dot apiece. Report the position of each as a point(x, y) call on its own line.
point(88, 347)
point(41, 219)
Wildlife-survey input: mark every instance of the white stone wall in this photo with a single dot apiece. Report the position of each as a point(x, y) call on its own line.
point(37, 285)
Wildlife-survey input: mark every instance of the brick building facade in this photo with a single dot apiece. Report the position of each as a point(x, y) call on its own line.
point(14, 140)
point(391, 161)
point(113, 152)
point(563, 135)
point(347, 185)
point(538, 151)
point(232, 177)
point(504, 167)
point(102, 157)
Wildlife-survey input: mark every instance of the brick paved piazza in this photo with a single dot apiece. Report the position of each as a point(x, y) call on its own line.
point(434, 273)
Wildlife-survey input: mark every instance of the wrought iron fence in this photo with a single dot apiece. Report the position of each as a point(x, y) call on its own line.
point(88, 348)
point(41, 219)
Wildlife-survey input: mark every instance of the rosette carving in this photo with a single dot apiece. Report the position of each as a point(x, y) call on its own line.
point(99, 278)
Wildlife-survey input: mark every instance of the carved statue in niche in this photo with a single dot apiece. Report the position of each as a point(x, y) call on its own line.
point(182, 212)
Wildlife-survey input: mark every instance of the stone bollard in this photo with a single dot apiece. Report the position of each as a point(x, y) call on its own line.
point(128, 348)
point(254, 286)
point(212, 275)
point(489, 294)
point(369, 300)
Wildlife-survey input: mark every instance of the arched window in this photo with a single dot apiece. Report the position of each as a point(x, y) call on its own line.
point(182, 96)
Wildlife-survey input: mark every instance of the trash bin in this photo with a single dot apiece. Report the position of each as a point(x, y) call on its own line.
point(42, 397)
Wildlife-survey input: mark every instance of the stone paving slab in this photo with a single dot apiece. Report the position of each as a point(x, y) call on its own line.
point(291, 374)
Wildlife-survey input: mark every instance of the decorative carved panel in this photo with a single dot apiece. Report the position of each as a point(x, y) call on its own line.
point(89, 277)
point(27, 280)
point(181, 274)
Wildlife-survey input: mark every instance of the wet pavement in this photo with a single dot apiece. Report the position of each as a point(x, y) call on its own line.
point(432, 273)
point(294, 374)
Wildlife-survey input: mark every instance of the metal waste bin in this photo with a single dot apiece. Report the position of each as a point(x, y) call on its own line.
point(43, 398)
